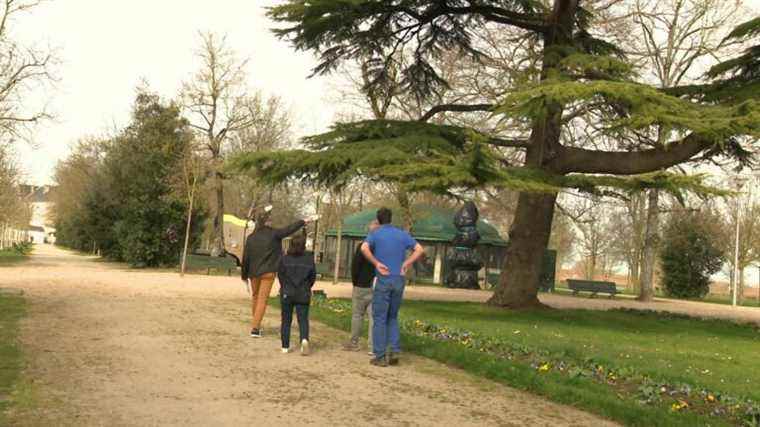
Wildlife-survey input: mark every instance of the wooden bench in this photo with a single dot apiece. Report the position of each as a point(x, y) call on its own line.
point(592, 286)
point(208, 263)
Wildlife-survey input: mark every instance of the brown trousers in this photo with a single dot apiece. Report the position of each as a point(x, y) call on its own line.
point(261, 286)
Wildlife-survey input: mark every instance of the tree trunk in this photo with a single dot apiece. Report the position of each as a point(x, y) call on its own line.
point(406, 209)
point(591, 264)
point(528, 238)
point(636, 208)
point(187, 233)
point(337, 247)
point(217, 244)
point(633, 273)
point(316, 247)
point(532, 224)
point(740, 289)
point(650, 248)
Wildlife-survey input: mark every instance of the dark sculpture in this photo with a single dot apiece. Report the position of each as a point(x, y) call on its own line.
point(463, 261)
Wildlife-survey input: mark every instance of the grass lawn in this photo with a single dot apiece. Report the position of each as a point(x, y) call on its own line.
point(639, 368)
point(11, 310)
point(625, 293)
point(10, 257)
point(725, 300)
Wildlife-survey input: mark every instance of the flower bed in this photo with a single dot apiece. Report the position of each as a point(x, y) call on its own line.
point(624, 381)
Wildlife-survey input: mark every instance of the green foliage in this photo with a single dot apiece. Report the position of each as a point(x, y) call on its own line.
point(738, 78)
point(576, 71)
point(380, 150)
point(23, 248)
point(12, 309)
point(641, 106)
point(747, 65)
point(689, 257)
point(343, 30)
point(130, 208)
point(428, 157)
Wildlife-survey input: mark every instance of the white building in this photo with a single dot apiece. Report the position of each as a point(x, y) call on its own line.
point(40, 226)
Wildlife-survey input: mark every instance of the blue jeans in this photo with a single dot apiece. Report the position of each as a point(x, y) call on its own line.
point(386, 302)
point(302, 312)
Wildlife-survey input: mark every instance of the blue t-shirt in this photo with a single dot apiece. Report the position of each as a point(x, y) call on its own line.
point(389, 245)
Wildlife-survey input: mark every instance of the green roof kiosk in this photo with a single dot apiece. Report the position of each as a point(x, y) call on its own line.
point(433, 228)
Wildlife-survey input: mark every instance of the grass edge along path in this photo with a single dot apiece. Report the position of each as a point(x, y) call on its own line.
point(12, 309)
point(616, 393)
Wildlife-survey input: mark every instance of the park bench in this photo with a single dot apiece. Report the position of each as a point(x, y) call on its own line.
point(592, 286)
point(206, 262)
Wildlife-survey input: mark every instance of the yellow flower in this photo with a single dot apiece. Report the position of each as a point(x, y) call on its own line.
point(710, 398)
point(543, 368)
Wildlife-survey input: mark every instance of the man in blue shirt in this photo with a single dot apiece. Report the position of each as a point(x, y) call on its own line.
point(386, 249)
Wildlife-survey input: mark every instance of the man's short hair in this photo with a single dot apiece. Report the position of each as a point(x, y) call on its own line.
point(384, 216)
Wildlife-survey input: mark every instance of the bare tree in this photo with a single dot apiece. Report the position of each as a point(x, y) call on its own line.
point(272, 129)
point(23, 71)
point(595, 238)
point(674, 36)
point(15, 212)
point(746, 211)
point(218, 106)
point(192, 172)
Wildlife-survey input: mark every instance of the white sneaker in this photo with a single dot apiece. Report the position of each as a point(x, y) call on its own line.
point(304, 347)
point(286, 350)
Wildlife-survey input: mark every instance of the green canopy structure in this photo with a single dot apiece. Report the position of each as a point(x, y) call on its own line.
point(433, 228)
point(431, 224)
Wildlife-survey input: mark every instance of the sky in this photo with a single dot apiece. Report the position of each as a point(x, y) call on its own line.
point(107, 47)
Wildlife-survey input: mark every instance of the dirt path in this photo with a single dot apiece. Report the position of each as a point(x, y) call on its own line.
point(111, 346)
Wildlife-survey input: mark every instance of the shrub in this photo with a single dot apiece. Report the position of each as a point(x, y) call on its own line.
point(22, 248)
point(689, 257)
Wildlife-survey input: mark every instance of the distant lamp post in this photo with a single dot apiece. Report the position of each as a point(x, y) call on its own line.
point(758, 285)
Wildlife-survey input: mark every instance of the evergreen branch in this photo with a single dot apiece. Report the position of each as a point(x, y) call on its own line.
point(508, 143)
point(573, 159)
point(429, 163)
point(455, 108)
point(500, 15)
point(638, 106)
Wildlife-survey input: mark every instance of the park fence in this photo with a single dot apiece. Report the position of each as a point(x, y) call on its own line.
point(9, 236)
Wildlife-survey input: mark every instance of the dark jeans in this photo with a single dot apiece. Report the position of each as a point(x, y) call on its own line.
point(302, 312)
point(386, 302)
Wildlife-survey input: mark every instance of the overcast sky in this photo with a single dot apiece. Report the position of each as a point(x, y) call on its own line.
point(108, 46)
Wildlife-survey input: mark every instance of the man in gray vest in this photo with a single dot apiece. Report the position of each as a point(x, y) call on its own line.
point(362, 276)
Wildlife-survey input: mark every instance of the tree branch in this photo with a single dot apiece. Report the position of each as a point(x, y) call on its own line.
point(502, 16)
point(461, 108)
point(579, 160)
point(508, 143)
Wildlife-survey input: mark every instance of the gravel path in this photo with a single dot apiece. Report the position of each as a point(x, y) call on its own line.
point(110, 346)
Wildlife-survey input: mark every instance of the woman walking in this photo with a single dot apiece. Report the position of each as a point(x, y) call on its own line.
point(297, 274)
